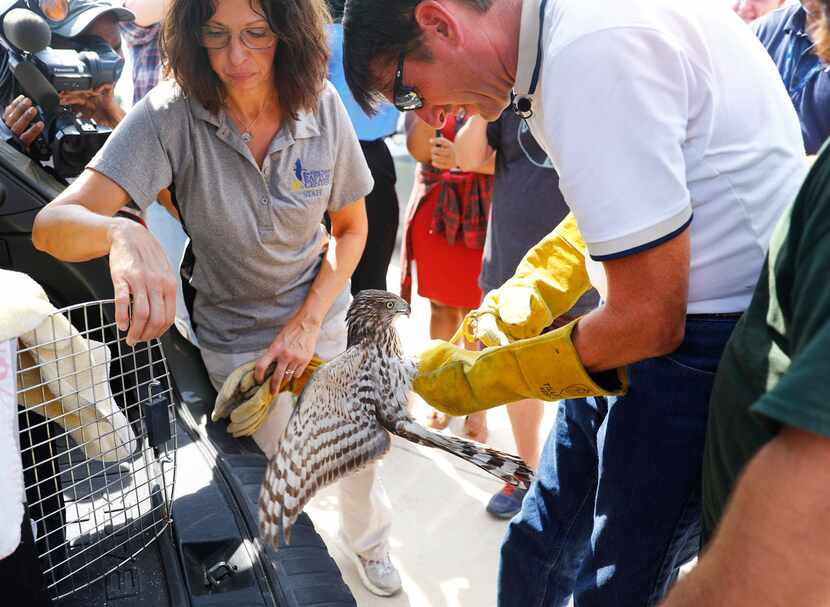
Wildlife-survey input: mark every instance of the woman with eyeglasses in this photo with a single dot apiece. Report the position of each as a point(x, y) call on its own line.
point(257, 148)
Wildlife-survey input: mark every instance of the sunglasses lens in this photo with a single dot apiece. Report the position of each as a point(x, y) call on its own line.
point(407, 101)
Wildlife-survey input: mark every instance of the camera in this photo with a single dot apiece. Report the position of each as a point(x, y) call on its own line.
point(85, 63)
point(71, 141)
point(42, 71)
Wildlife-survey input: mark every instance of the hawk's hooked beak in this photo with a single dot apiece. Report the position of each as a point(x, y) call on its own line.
point(404, 308)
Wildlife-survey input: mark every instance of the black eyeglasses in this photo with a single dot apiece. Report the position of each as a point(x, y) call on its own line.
point(406, 97)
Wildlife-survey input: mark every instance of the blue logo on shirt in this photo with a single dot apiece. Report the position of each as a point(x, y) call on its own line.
point(310, 182)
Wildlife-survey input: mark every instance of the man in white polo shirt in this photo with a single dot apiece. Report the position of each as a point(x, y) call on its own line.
point(677, 149)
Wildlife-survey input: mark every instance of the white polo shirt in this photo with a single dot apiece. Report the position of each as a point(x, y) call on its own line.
point(658, 114)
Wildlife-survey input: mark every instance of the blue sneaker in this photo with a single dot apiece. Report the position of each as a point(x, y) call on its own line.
point(507, 502)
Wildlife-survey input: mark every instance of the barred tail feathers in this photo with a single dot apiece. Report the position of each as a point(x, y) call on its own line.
point(509, 468)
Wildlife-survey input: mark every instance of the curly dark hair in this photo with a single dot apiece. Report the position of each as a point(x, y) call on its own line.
point(376, 32)
point(300, 62)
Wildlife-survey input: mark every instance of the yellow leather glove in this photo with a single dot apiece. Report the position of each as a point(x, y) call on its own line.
point(247, 402)
point(547, 283)
point(547, 367)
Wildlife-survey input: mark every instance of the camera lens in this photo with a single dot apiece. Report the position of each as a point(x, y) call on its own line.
point(72, 145)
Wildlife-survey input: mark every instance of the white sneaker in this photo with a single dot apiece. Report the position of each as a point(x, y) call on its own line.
point(380, 577)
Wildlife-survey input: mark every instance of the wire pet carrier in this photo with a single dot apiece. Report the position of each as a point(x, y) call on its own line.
point(98, 443)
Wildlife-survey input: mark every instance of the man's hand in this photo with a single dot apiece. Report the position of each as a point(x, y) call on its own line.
point(484, 327)
point(18, 116)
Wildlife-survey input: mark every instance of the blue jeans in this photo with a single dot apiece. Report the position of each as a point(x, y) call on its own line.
point(615, 508)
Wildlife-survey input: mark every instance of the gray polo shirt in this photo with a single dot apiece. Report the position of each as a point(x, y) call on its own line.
point(256, 234)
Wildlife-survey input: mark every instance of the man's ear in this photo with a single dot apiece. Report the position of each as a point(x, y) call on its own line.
point(438, 23)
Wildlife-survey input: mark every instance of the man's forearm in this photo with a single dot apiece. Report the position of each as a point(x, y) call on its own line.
point(611, 337)
point(771, 546)
point(645, 310)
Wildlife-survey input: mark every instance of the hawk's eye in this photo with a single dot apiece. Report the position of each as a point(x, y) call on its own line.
point(390, 305)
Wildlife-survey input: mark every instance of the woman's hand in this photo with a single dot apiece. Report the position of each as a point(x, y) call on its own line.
point(291, 350)
point(140, 270)
point(442, 153)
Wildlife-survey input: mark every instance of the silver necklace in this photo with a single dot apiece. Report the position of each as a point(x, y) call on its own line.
point(246, 133)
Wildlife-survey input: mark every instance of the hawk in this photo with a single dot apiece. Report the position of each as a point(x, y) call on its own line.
point(344, 415)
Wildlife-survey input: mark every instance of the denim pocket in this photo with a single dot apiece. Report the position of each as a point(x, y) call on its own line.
point(702, 347)
point(693, 364)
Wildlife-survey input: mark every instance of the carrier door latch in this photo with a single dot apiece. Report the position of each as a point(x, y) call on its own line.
point(156, 410)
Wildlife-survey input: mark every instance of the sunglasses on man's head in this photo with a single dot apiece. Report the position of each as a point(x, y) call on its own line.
point(406, 97)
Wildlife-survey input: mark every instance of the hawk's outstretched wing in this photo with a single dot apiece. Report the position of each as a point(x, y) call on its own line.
point(332, 432)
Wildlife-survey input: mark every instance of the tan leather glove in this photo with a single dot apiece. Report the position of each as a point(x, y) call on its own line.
point(547, 367)
point(547, 283)
point(248, 403)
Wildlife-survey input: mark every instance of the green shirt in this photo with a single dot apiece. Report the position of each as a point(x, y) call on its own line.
point(776, 366)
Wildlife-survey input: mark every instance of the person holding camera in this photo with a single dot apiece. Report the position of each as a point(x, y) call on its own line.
point(86, 19)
